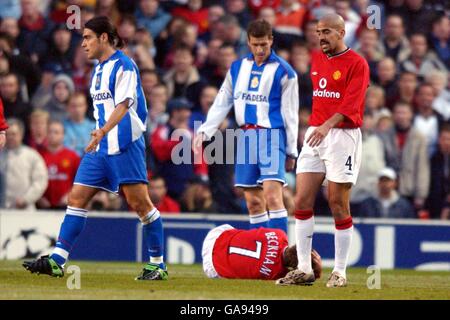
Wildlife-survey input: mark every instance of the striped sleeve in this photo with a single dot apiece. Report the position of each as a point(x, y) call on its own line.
point(289, 112)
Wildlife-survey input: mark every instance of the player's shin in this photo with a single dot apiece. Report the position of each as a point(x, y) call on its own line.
point(73, 224)
point(304, 229)
point(154, 237)
point(342, 241)
point(278, 219)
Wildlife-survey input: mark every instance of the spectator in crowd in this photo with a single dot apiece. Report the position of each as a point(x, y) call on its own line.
point(427, 121)
point(407, 84)
point(384, 121)
point(108, 8)
point(290, 17)
point(26, 173)
point(195, 13)
point(77, 127)
point(440, 38)
point(198, 198)
point(39, 120)
point(417, 16)
point(215, 12)
point(387, 203)
point(127, 29)
point(43, 93)
point(10, 26)
point(279, 40)
point(150, 16)
point(149, 79)
point(352, 20)
point(157, 191)
point(438, 202)
point(164, 140)
point(311, 37)
point(207, 96)
point(157, 104)
point(256, 6)
point(372, 161)
point(3, 126)
point(301, 62)
point(212, 58)
point(20, 64)
point(441, 104)
point(406, 153)
point(239, 9)
point(35, 31)
point(183, 80)
point(370, 48)
point(62, 89)
point(421, 60)
point(375, 100)
point(395, 43)
point(228, 29)
point(215, 76)
point(14, 106)
point(61, 51)
point(386, 77)
point(62, 164)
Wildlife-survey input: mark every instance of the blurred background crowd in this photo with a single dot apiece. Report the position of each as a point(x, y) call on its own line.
point(184, 49)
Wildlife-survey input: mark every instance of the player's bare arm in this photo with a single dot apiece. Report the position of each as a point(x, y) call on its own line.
point(98, 134)
point(197, 143)
point(320, 132)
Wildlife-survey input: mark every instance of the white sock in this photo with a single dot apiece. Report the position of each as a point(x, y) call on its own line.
point(304, 230)
point(342, 242)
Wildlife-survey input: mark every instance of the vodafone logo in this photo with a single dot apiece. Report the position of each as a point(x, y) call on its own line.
point(324, 93)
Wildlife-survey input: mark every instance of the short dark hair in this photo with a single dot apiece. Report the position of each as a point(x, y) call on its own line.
point(102, 24)
point(259, 29)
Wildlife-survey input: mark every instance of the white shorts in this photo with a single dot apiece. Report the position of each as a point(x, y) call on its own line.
point(207, 249)
point(338, 155)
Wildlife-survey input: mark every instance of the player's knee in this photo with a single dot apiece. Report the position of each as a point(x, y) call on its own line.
point(140, 205)
point(76, 200)
point(338, 205)
point(274, 200)
point(256, 205)
point(303, 202)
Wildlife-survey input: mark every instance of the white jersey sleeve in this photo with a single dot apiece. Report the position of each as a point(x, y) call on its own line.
point(289, 113)
point(219, 110)
point(125, 86)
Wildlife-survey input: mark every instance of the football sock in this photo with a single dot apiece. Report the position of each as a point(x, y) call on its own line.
point(342, 242)
point(73, 224)
point(259, 220)
point(304, 229)
point(154, 236)
point(278, 219)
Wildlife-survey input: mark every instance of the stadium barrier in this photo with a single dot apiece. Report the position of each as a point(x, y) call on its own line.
point(388, 244)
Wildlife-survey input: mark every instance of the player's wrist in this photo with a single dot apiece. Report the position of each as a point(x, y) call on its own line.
point(103, 131)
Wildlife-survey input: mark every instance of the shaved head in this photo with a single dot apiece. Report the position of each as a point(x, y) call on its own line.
point(333, 21)
point(331, 32)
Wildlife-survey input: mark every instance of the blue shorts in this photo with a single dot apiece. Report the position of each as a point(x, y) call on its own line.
point(261, 156)
point(108, 172)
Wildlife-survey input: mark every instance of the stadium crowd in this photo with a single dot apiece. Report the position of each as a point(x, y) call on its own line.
point(183, 50)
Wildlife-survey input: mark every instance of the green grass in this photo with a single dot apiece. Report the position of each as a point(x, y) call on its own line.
point(100, 280)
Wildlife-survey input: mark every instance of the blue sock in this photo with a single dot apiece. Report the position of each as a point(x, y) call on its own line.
point(259, 220)
point(73, 224)
point(279, 219)
point(154, 237)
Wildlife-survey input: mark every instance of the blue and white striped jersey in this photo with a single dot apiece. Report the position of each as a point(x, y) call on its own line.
point(266, 96)
point(113, 81)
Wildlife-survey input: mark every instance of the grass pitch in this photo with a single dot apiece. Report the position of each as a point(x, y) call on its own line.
point(101, 280)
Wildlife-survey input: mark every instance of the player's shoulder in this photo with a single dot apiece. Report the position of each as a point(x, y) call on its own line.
point(288, 69)
point(356, 58)
point(124, 61)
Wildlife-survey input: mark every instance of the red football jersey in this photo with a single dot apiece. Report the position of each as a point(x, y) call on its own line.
point(339, 86)
point(62, 167)
point(250, 254)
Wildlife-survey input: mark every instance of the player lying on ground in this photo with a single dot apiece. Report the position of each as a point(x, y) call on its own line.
point(262, 253)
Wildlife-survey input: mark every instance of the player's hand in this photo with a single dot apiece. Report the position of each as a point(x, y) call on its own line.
point(445, 214)
point(96, 137)
point(290, 164)
point(316, 263)
point(317, 136)
point(197, 143)
point(2, 140)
